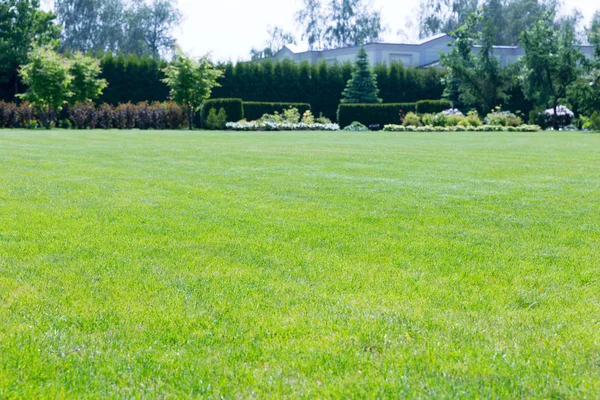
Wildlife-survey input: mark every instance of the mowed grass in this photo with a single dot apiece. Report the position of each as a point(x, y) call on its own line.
point(299, 265)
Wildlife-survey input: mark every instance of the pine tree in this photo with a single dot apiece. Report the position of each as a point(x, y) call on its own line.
point(362, 87)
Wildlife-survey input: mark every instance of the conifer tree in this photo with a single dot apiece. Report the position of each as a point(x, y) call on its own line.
point(362, 87)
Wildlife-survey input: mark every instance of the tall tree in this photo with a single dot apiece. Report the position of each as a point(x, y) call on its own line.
point(312, 22)
point(350, 23)
point(362, 87)
point(443, 16)
point(552, 62)
point(476, 75)
point(22, 24)
point(191, 82)
point(278, 38)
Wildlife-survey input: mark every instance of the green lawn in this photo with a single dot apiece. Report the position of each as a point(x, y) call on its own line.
point(299, 265)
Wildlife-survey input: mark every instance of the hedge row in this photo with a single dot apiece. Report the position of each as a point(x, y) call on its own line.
point(255, 110)
point(234, 108)
point(87, 116)
point(433, 106)
point(368, 114)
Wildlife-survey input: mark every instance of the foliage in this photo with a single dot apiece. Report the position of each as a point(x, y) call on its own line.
point(308, 118)
point(23, 25)
point(48, 82)
point(83, 115)
point(552, 61)
point(191, 82)
point(234, 108)
point(356, 126)
point(477, 76)
point(369, 114)
point(9, 117)
point(281, 126)
point(432, 106)
point(339, 23)
point(502, 118)
point(593, 122)
point(460, 128)
point(255, 110)
point(278, 38)
point(411, 119)
point(216, 121)
point(86, 85)
point(118, 26)
point(106, 115)
point(362, 87)
point(559, 117)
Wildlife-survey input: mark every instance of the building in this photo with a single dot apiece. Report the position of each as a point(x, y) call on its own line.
point(420, 55)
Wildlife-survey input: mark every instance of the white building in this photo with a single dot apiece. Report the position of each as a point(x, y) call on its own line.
point(421, 55)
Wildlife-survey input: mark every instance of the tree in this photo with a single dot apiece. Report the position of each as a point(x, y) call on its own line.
point(350, 23)
point(278, 38)
point(477, 76)
point(85, 84)
point(443, 16)
point(115, 26)
point(48, 82)
point(22, 24)
point(312, 21)
point(191, 82)
point(362, 87)
point(552, 62)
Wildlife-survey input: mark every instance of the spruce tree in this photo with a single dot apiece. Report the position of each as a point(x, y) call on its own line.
point(362, 87)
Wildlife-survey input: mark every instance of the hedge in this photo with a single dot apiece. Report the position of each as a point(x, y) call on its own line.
point(368, 114)
point(234, 108)
point(254, 110)
point(433, 106)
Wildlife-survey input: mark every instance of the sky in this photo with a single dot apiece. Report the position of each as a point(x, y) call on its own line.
point(228, 29)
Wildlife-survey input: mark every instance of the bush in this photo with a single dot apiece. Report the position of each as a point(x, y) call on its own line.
point(216, 121)
point(175, 116)
point(106, 115)
point(432, 106)
point(460, 128)
point(26, 116)
point(308, 118)
point(9, 115)
point(125, 116)
point(83, 116)
point(473, 119)
point(502, 118)
point(255, 110)
point(370, 114)
point(143, 116)
point(159, 115)
point(356, 127)
point(563, 117)
point(592, 123)
point(411, 119)
point(234, 108)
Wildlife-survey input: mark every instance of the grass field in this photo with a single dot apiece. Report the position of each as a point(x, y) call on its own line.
point(299, 265)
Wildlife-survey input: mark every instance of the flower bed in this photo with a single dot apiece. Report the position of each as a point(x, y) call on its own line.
point(280, 126)
point(482, 128)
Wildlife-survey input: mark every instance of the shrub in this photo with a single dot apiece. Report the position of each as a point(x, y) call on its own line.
point(473, 119)
point(83, 116)
point(502, 118)
point(143, 116)
point(460, 128)
point(175, 116)
point(106, 115)
point(254, 110)
point(308, 118)
point(370, 114)
point(432, 106)
point(411, 119)
point(125, 116)
point(292, 115)
point(25, 116)
point(356, 127)
point(593, 122)
point(563, 116)
point(159, 115)
point(234, 108)
point(454, 119)
point(9, 115)
point(216, 121)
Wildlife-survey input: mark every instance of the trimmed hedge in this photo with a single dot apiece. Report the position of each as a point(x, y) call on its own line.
point(255, 110)
point(432, 106)
point(369, 114)
point(234, 108)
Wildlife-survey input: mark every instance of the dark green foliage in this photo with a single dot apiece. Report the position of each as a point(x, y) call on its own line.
point(362, 87)
point(432, 106)
point(133, 79)
point(234, 108)
point(216, 121)
point(254, 110)
point(369, 114)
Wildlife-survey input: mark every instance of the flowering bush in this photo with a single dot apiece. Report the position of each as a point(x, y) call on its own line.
point(411, 119)
point(453, 111)
point(502, 118)
point(356, 127)
point(563, 116)
point(308, 117)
